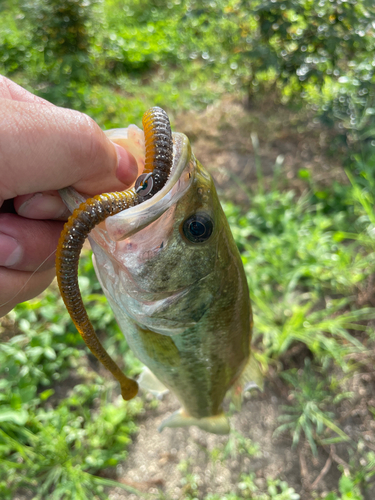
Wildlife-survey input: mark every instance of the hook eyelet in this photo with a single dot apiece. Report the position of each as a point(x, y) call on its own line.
point(144, 184)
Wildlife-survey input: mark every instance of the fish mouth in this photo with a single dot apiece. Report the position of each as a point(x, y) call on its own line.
point(146, 307)
point(133, 219)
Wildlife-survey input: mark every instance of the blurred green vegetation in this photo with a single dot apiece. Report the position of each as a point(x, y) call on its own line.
point(307, 257)
point(112, 58)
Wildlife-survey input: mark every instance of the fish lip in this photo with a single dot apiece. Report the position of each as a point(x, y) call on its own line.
point(133, 219)
point(181, 156)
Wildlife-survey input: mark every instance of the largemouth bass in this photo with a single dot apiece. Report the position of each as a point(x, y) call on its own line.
point(173, 276)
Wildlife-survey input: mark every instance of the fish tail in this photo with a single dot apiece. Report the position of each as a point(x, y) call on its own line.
point(250, 378)
point(218, 424)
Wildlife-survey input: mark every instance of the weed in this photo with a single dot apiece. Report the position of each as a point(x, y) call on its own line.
point(238, 444)
point(348, 489)
point(55, 450)
point(309, 414)
point(275, 490)
point(189, 481)
point(298, 259)
point(58, 452)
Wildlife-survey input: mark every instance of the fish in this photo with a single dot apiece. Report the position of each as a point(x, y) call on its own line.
point(174, 279)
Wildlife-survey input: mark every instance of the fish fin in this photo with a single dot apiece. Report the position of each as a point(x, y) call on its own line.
point(250, 378)
point(149, 382)
point(217, 424)
point(161, 348)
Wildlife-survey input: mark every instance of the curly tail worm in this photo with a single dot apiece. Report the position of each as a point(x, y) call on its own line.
point(158, 162)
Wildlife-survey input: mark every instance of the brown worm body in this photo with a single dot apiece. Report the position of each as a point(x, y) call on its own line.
point(158, 161)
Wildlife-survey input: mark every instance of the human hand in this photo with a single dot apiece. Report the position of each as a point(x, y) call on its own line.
point(44, 148)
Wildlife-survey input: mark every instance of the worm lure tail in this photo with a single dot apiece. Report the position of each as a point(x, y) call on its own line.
point(158, 163)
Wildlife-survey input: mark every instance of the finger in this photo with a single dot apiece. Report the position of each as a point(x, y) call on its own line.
point(48, 148)
point(10, 90)
point(27, 245)
point(18, 286)
point(47, 205)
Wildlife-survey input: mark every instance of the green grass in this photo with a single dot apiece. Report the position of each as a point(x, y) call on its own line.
point(309, 414)
point(303, 267)
point(61, 423)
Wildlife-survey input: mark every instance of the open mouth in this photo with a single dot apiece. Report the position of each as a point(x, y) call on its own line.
point(133, 219)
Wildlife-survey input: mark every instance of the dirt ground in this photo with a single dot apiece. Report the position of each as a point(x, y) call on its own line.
point(154, 458)
point(221, 140)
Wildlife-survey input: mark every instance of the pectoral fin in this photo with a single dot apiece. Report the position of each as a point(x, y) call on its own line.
point(160, 348)
point(150, 383)
point(217, 424)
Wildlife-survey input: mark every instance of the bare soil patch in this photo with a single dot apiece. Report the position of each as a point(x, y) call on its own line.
point(154, 462)
point(221, 140)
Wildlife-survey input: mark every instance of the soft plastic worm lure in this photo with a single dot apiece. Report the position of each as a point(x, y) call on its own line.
point(158, 162)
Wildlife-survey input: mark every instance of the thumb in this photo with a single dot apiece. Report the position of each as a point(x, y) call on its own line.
point(47, 148)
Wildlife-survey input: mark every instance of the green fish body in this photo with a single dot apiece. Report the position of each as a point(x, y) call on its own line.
point(174, 278)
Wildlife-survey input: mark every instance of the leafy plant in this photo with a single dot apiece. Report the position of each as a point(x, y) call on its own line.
point(55, 449)
point(298, 256)
point(276, 490)
point(238, 444)
point(58, 452)
point(309, 414)
point(348, 489)
point(62, 32)
point(280, 490)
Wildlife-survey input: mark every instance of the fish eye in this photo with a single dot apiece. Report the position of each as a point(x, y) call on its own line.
point(198, 228)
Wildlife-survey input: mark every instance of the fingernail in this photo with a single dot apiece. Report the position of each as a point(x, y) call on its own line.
point(10, 251)
point(42, 206)
point(127, 168)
